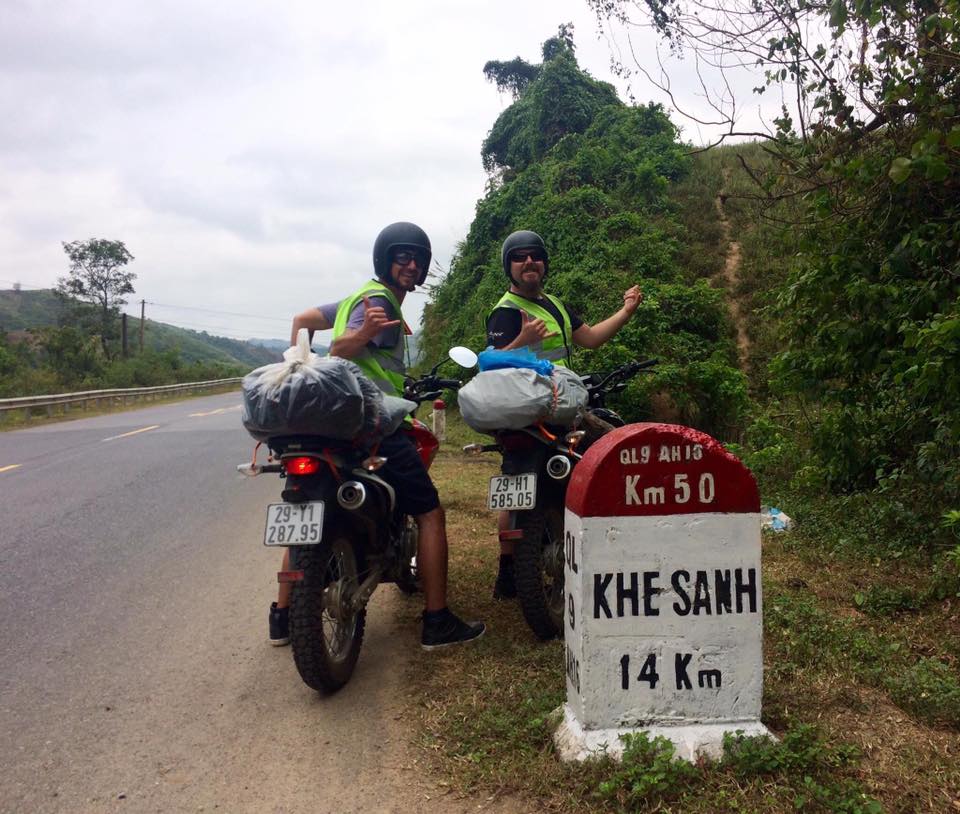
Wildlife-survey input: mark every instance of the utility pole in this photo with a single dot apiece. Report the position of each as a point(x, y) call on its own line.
point(143, 308)
point(123, 333)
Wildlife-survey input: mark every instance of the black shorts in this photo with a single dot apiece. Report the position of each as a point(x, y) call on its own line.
point(405, 472)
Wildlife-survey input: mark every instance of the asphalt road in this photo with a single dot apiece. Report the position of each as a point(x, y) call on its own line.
point(135, 673)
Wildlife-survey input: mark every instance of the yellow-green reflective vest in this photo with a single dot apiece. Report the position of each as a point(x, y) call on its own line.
point(554, 348)
point(386, 367)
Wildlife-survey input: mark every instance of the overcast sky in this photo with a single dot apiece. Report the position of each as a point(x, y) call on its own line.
point(247, 153)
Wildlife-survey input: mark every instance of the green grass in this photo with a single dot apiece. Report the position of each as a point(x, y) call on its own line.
point(861, 623)
point(867, 706)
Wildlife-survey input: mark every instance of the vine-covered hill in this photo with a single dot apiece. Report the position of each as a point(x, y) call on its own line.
point(598, 180)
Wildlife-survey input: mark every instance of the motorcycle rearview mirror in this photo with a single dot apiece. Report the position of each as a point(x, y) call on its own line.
point(463, 356)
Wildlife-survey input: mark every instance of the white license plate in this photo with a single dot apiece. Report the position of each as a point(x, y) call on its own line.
point(513, 492)
point(294, 523)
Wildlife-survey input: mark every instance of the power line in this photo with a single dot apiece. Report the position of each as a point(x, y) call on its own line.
point(192, 326)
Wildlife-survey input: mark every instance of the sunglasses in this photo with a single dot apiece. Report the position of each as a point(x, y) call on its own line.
point(403, 258)
point(521, 255)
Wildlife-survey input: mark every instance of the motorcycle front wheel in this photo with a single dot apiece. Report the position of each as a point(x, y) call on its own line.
point(538, 570)
point(325, 633)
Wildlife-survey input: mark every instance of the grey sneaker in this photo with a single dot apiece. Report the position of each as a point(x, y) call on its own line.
point(447, 630)
point(279, 625)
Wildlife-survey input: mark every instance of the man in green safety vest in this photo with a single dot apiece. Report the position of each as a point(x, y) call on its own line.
point(526, 316)
point(368, 329)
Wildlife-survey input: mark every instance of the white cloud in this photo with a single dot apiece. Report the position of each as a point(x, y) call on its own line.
point(247, 153)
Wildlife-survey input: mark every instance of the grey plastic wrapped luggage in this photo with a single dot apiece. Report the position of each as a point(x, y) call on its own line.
point(513, 398)
point(320, 396)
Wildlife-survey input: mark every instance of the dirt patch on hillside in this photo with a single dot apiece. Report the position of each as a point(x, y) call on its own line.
point(729, 279)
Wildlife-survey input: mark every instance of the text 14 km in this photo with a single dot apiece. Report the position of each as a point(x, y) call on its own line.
point(683, 675)
point(294, 523)
point(702, 489)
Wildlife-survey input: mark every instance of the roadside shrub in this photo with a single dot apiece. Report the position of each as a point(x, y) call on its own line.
point(801, 750)
point(649, 772)
point(929, 689)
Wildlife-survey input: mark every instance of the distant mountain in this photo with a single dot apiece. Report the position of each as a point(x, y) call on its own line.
point(25, 310)
point(280, 345)
point(22, 310)
point(201, 346)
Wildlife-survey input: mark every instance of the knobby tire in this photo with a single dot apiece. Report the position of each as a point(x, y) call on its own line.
point(325, 648)
point(538, 570)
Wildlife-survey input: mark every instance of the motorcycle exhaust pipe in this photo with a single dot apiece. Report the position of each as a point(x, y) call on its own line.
point(558, 467)
point(351, 495)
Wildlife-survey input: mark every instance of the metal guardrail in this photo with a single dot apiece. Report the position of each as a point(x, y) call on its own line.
point(121, 396)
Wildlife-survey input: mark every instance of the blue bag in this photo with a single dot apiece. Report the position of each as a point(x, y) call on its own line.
point(491, 359)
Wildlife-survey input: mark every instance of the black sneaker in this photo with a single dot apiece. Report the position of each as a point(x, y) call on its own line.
point(445, 628)
point(279, 625)
point(505, 587)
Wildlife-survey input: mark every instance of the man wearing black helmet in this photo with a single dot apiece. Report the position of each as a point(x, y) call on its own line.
point(368, 329)
point(526, 316)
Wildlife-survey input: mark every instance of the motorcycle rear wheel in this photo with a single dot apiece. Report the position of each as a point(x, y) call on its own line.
point(538, 570)
point(325, 635)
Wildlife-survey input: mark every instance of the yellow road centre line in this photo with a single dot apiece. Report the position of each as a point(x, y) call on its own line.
point(132, 432)
point(8, 468)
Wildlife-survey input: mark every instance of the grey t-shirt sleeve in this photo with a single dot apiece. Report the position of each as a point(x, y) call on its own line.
point(387, 338)
point(329, 311)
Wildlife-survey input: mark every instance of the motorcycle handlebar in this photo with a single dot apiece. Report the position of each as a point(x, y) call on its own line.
point(618, 377)
point(427, 388)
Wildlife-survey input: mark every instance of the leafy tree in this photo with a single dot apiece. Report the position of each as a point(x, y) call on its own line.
point(870, 145)
point(516, 74)
point(592, 175)
point(14, 360)
point(76, 359)
point(97, 276)
point(562, 43)
point(513, 75)
point(561, 100)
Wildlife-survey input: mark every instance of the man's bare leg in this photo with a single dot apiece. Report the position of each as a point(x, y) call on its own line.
point(432, 558)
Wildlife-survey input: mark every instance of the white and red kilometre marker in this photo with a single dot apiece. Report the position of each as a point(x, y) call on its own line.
point(664, 603)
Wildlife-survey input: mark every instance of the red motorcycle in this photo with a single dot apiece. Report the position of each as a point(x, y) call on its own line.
point(536, 466)
point(345, 534)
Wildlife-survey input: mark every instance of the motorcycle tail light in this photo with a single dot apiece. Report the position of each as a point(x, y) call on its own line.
point(301, 465)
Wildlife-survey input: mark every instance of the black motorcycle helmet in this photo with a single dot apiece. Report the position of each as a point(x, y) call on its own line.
point(523, 240)
point(400, 235)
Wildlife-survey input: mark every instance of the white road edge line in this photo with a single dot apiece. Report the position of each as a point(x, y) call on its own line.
point(133, 432)
point(8, 468)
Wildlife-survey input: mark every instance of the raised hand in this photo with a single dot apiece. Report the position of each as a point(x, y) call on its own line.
point(632, 297)
point(375, 319)
point(532, 330)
